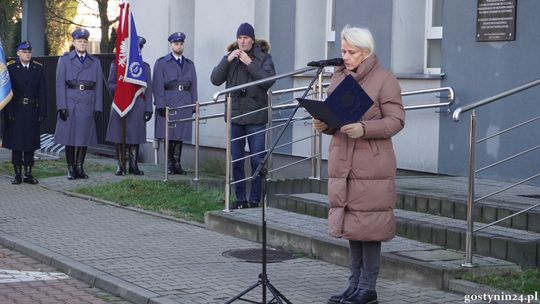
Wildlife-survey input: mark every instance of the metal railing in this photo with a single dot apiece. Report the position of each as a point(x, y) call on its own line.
point(316, 138)
point(471, 172)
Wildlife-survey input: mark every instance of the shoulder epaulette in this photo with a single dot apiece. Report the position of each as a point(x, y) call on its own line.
point(37, 62)
point(188, 60)
point(10, 62)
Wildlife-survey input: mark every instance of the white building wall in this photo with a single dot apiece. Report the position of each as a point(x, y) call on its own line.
point(210, 25)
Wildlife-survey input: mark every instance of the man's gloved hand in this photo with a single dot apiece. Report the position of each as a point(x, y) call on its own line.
point(63, 114)
point(147, 116)
point(161, 112)
point(97, 114)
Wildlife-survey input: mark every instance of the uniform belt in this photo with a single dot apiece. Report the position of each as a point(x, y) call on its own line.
point(176, 87)
point(30, 101)
point(80, 87)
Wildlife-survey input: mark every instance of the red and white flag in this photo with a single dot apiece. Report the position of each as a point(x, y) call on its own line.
point(130, 77)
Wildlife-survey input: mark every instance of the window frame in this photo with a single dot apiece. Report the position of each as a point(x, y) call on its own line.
point(431, 33)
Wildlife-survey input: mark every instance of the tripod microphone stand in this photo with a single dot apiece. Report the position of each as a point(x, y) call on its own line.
point(261, 171)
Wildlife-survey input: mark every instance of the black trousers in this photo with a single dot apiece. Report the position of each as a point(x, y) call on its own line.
point(22, 158)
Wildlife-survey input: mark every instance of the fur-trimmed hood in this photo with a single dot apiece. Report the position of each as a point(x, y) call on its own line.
point(261, 43)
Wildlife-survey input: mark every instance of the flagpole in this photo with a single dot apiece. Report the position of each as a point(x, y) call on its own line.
point(123, 157)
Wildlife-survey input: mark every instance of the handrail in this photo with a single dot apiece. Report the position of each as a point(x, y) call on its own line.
point(261, 81)
point(493, 98)
point(451, 98)
point(471, 172)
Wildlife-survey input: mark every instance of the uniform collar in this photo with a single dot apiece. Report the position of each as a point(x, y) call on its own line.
point(74, 54)
point(174, 58)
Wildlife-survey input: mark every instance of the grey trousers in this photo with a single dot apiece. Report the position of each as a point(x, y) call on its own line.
point(365, 260)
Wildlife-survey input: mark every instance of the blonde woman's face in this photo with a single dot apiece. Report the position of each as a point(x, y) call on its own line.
point(352, 56)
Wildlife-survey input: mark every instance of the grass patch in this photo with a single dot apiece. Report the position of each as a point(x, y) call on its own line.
point(175, 198)
point(526, 282)
point(49, 168)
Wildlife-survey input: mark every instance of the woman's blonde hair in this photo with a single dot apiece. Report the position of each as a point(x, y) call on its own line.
point(359, 37)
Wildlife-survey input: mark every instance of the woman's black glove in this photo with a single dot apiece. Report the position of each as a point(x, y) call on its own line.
point(147, 116)
point(161, 112)
point(63, 114)
point(97, 114)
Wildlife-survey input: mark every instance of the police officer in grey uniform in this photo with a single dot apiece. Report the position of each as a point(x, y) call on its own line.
point(24, 113)
point(175, 85)
point(79, 101)
point(136, 119)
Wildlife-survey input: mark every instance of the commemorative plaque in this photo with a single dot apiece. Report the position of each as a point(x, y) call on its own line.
point(496, 20)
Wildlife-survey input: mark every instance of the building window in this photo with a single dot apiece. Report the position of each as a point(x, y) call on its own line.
point(434, 31)
point(330, 27)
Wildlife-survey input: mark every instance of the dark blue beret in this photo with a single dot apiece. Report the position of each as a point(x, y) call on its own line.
point(142, 41)
point(177, 37)
point(80, 33)
point(25, 45)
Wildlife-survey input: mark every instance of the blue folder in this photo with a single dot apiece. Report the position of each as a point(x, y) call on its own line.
point(347, 103)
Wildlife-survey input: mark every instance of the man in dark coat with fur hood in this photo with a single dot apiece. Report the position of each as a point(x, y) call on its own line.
point(248, 60)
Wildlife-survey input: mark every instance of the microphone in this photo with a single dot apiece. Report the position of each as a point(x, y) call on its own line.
point(328, 62)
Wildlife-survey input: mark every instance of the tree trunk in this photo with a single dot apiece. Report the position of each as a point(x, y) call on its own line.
point(105, 23)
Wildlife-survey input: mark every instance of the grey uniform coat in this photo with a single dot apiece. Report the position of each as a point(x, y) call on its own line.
point(168, 73)
point(79, 129)
point(22, 134)
point(135, 124)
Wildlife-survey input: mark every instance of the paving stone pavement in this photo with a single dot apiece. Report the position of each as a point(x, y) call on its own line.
point(174, 261)
point(57, 288)
point(180, 262)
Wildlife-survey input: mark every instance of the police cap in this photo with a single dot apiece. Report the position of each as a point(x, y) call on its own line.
point(25, 45)
point(142, 41)
point(80, 33)
point(177, 37)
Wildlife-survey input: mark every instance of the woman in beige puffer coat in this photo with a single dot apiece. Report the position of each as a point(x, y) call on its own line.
point(362, 166)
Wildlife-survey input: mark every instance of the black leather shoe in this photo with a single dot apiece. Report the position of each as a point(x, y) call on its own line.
point(336, 299)
point(240, 205)
point(253, 204)
point(362, 297)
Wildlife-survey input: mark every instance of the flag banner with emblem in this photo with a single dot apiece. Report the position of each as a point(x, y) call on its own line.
point(5, 84)
point(130, 77)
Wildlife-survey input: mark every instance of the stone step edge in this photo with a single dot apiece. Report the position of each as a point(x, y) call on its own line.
point(456, 209)
point(524, 252)
point(393, 266)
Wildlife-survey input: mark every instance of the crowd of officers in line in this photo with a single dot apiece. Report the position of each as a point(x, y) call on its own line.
point(173, 84)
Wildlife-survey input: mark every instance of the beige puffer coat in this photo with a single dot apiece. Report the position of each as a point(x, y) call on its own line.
point(361, 171)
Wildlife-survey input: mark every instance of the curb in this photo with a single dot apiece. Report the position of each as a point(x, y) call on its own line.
point(93, 277)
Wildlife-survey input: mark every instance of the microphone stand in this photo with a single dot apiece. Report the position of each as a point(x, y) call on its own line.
point(261, 171)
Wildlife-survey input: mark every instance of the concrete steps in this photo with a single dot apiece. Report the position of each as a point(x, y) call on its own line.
point(404, 259)
point(443, 196)
point(518, 246)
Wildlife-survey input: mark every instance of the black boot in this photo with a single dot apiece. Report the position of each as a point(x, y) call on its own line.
point(28, 178)
point(133, 154)
point(171, 163)
point(362, 297)
point(17, 178)
point(336, 299)
point(119, 168)
point(177, 156)
point(79, 162)
point(70, 159)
